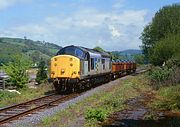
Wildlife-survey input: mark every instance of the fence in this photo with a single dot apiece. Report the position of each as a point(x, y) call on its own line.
point(2, 84)
point(3, 80)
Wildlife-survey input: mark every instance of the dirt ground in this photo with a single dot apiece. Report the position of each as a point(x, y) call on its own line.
point(138, 114)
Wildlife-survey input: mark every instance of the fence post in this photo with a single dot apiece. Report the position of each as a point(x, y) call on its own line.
point(4, 84)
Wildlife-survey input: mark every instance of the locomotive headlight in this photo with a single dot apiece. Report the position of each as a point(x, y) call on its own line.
point(62, 71)
point(70, 59)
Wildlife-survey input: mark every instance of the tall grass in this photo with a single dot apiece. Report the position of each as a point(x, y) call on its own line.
point(168, 98)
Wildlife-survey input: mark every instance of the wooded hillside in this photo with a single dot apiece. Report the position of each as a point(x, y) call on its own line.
point(35, 50)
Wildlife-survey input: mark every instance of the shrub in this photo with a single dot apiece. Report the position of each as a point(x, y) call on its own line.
point(98, 114)
point(158, 76)
point(41, 74)
point(169, 74)
point(174, 61)
point(17, 70)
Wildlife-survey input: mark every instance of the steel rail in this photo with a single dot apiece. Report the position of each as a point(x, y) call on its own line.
point(13, 106)
point(46, 105)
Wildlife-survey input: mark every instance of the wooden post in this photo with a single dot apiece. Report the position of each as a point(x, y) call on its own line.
point(3, 83)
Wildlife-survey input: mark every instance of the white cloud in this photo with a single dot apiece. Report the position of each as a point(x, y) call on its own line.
point(114, 32)
point(31, 28)
point(88, 27)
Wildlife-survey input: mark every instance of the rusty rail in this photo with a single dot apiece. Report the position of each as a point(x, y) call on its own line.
point(14, 112)
point(11, 113)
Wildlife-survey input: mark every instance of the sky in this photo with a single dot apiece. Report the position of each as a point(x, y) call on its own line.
point(110, 24)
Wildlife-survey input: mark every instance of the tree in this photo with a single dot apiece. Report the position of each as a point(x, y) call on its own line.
point(115, 55)
point(17, 70)
point(166, 21)
point(139, 58)
point(98, 49)
point(35, 56)
point(165, 49)
point(42, 73)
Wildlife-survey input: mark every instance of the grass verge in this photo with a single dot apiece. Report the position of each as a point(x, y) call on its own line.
point(9, 98)
point(167, 98)
point(95, 108)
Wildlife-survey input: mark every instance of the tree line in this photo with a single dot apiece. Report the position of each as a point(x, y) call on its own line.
point(161, 37)
point(161, 46)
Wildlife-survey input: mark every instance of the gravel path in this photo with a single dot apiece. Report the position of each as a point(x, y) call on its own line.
point(32, 119)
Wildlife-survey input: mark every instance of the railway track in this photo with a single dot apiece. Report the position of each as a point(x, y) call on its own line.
point(16, 111)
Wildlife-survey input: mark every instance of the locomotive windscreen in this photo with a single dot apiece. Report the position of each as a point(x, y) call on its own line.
point(72, 50)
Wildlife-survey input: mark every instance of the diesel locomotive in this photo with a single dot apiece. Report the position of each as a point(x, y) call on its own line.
point(76, 67)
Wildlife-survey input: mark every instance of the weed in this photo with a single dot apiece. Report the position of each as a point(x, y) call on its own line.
point(91, 123)
point(150, 116)
point(7, 94)
point(98, 114)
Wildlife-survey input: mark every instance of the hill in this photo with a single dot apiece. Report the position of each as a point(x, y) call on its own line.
point(126, 54)
point(131, 52)
point(35, 50)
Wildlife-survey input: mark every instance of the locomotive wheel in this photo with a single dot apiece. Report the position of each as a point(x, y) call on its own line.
point(57, 86)
point(81, 86)
point(70, 88)
point(88, 84)
point(60, 86)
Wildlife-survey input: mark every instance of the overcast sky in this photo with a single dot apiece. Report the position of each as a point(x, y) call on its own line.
point(110, 24)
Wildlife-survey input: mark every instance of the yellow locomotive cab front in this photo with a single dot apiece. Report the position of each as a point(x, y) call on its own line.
point(65, 66)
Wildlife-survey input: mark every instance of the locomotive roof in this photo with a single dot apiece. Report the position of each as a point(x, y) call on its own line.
point(91, 52)
point(103, 54)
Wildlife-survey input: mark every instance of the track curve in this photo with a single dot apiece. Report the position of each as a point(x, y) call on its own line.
point(10, 113)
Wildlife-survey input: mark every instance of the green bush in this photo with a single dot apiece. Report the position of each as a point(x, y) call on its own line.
point(159, 76)
point(174, 61)
point(169, 74)
point(17, 70)
point(42, 73)
point(98, 114)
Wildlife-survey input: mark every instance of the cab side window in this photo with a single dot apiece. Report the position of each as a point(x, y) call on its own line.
point(109, 64)
point(103, 63)
point(92, 63)
point(79, 53)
